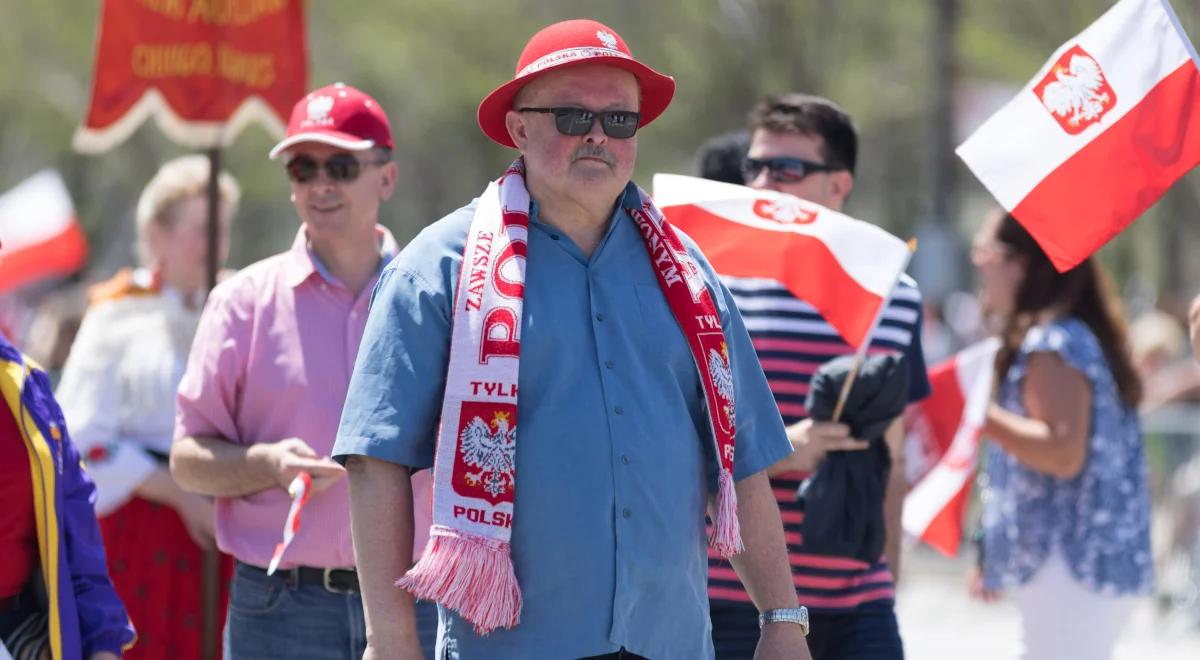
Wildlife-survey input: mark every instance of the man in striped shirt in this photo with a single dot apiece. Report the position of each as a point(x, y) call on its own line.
point(806, 146)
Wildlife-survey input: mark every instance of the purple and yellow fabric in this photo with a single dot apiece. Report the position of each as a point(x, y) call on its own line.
point(85, 615)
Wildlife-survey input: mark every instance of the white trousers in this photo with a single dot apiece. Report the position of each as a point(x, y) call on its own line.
point(1062, 619)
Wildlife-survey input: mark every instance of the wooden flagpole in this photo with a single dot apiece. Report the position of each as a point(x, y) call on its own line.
point(210, 573)
point(861, 354)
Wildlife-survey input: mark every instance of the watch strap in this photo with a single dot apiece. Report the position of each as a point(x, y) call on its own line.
point(796, 615)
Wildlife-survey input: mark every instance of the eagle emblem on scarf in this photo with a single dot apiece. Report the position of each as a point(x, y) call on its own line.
point(722, 377)
point(489, 446)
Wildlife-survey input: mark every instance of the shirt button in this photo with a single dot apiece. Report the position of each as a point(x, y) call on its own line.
point(608, 363)
point(626, 512)
point(619, 410)
point(554, 236)
point(624, 459)
point(599, 316)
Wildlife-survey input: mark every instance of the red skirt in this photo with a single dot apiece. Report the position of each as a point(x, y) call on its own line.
point(159, 573)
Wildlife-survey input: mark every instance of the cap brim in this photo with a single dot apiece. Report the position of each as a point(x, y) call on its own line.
point(657, 91)
point(333, 139)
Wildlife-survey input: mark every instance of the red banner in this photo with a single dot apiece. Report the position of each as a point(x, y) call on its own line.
point(203, 69)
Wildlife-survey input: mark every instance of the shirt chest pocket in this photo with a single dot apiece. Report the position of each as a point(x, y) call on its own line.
point(655, 314)
point(660, 340)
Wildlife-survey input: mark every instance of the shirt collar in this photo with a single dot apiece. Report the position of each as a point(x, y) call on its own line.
point(628, 197)
point(302, 263)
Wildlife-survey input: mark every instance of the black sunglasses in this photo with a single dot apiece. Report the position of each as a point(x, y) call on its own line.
point(342, 168)
point(620, 124)
point(783, 170)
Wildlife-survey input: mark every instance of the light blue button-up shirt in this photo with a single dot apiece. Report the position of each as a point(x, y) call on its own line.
point(614, 453)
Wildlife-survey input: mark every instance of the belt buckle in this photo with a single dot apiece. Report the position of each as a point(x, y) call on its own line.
point(325, 582)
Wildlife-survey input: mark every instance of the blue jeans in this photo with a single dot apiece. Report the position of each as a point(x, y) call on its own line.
point(270, 618)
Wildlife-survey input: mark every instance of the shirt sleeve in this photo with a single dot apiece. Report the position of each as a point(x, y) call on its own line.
point(918, 374)
point(395, 395)
point(761, 439)
point(103, 622)
point(88, 394)
point(209, 394)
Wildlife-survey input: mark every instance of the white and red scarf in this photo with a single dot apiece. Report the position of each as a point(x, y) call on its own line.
point(466, 566)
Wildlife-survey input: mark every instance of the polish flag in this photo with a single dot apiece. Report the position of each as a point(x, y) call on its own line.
point(843, 267)
point(943, 445)
point(299, 490)
point(1107, 125)
point(39, 235)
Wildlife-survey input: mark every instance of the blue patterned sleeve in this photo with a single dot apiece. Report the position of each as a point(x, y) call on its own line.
point(1068, 338)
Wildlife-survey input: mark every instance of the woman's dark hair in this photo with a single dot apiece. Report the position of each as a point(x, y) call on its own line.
point(1084, 292)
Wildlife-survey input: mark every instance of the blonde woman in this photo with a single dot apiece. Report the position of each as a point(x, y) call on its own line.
point(118, 395)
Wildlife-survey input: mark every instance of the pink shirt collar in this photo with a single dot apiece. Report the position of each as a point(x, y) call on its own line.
point(302, 263)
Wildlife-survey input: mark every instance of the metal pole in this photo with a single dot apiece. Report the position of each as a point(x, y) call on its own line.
point(214, 214)
point(209, 572)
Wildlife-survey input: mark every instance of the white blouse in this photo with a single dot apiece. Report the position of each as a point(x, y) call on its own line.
point(119, 382)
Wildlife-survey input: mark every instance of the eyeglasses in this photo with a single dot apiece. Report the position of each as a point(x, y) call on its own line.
point(783, 170)
point(342, 168)
point(620, 124)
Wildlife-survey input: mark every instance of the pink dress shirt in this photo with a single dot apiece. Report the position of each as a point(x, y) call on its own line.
point(272, 360)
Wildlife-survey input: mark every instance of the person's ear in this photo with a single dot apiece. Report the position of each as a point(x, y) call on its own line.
point(517, 128)
point(841, 183)
point(387, 180)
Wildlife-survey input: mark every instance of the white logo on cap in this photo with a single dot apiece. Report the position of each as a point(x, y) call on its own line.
point(607, 38)
point(319, 108)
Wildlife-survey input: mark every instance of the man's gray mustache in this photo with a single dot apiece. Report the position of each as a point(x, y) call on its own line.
point(593, 151)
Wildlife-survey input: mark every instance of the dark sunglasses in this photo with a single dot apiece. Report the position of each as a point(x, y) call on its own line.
point(783, 170)
point(342, 168)
point(620, 124)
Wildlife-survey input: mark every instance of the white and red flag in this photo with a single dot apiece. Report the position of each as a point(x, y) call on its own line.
point(300, 490)
point(1107, 125)
point(843, 267)
point(40, 236)
point(943, 445)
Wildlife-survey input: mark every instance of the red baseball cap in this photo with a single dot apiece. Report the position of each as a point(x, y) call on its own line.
point(572, 43)
point(338, 115)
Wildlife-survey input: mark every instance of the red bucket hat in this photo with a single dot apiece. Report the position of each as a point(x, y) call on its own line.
point(571, 43)
point(337, 115)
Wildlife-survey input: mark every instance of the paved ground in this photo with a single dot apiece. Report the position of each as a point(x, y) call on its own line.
point(939, 622)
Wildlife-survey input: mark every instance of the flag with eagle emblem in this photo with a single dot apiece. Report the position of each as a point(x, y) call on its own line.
point(1111, 122)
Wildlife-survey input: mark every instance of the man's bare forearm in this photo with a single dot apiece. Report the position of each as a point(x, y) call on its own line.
point(160, 488)
point(763, 567)
point(219, 468)
point(381, 521)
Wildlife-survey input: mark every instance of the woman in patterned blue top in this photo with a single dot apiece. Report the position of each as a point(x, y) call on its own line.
point(1066, 506)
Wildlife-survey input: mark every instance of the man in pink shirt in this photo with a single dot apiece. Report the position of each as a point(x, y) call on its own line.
point(266, 380)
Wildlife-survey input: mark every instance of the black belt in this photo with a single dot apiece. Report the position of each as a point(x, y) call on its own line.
point(333, 580)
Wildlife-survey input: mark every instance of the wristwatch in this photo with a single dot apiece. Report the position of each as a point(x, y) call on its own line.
point(797, 615)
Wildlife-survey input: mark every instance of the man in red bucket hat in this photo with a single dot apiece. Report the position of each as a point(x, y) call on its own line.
point(558, 329)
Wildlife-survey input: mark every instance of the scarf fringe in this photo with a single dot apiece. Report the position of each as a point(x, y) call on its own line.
point(726, 537)
point(471, 575)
